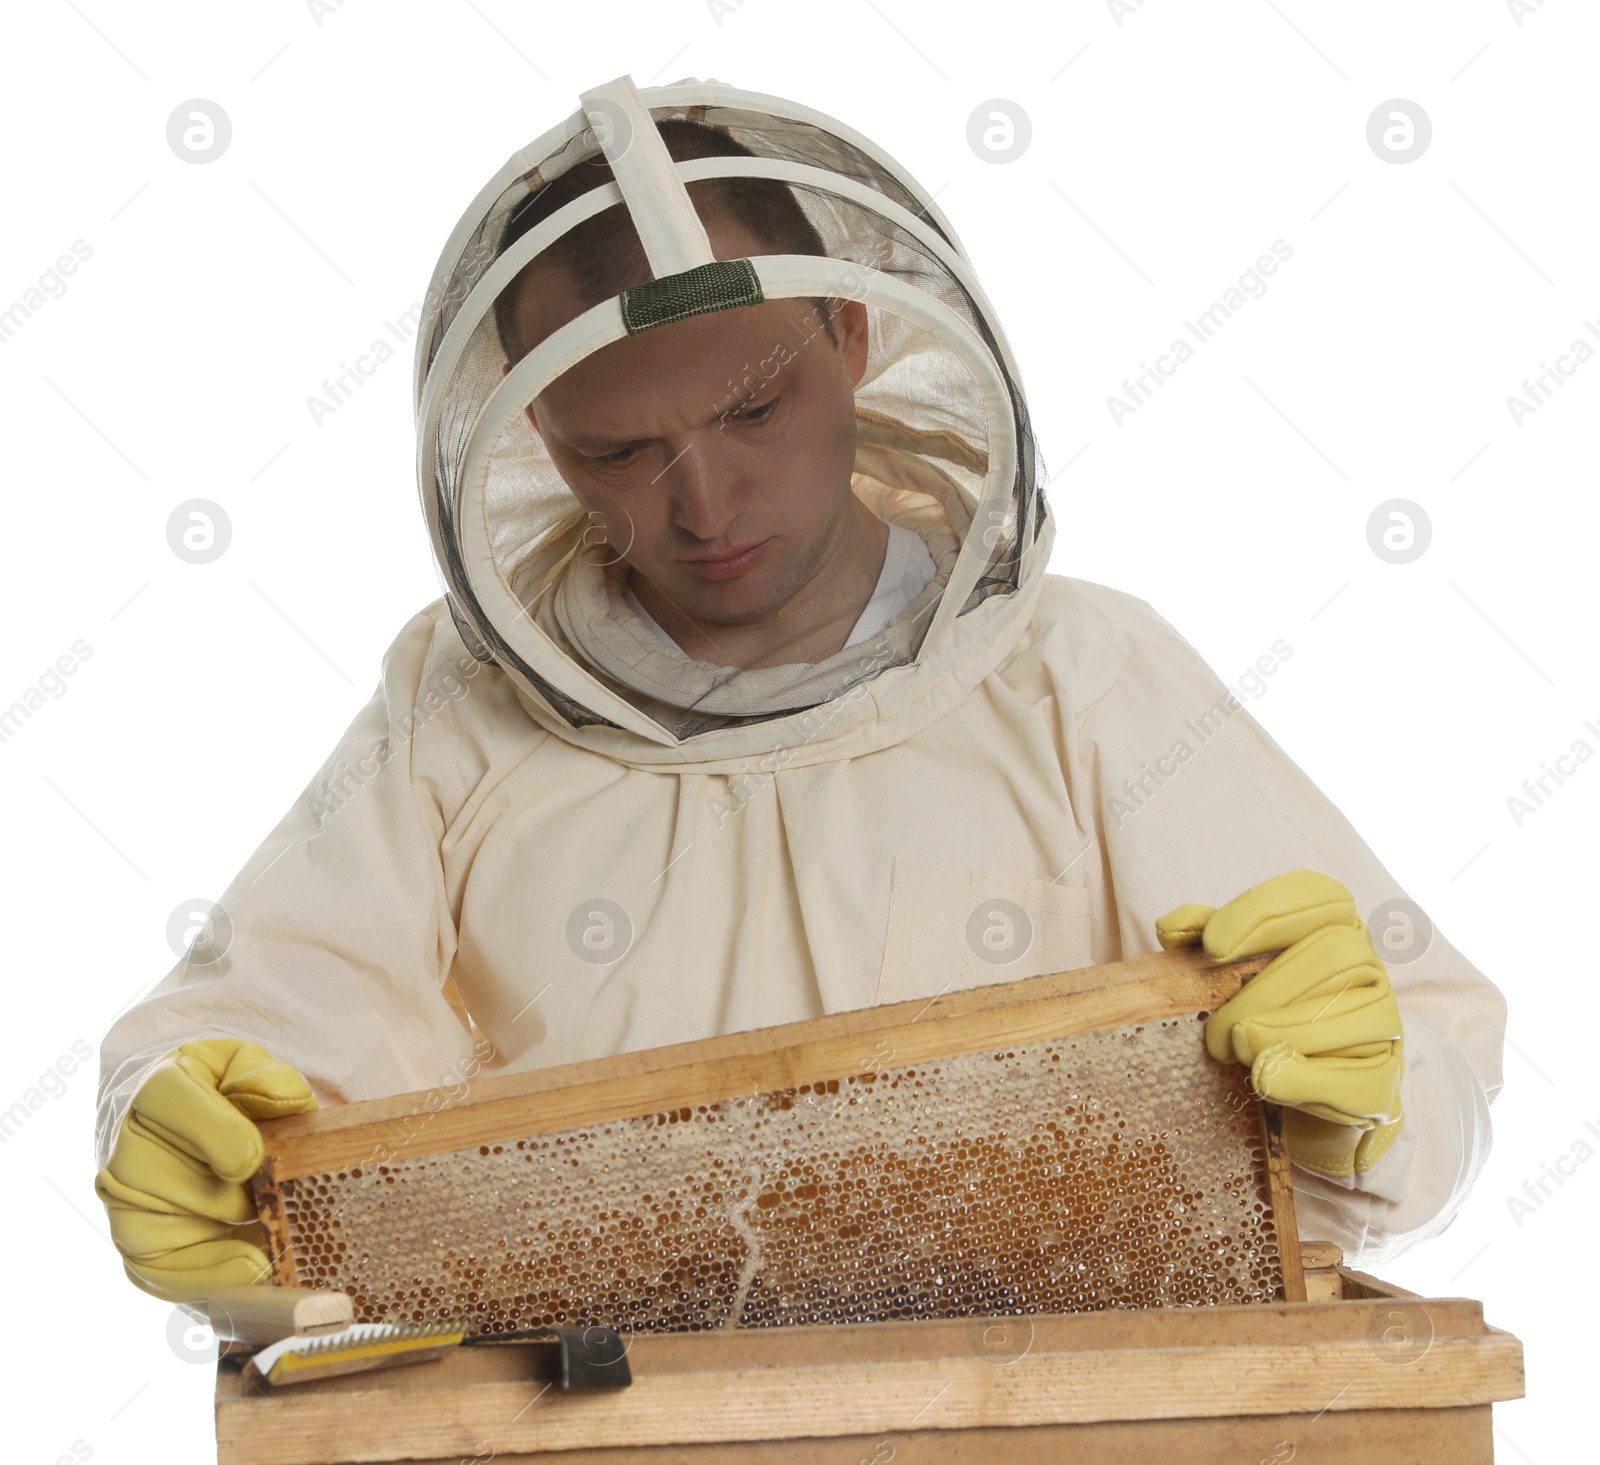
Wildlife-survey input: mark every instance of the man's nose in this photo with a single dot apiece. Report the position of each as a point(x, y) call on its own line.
point(707, 488)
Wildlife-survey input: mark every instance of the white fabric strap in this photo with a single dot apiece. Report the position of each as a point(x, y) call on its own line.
point(674, 239)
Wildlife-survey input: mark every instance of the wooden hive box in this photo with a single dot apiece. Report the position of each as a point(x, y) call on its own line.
point(1033, 1216)
point(1369, 1373)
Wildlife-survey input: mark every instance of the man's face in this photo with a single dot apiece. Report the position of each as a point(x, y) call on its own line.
point(728, 434)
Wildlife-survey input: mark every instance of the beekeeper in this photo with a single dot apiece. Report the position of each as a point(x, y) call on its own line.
point(750, 699)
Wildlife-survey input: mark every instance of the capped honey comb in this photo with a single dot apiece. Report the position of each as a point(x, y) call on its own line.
point(1112, 1167)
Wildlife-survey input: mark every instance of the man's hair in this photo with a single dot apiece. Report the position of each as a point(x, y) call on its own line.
point(602, 256)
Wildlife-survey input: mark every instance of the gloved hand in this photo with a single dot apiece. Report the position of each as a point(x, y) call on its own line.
point(1319, 1026)
point(181, 1212)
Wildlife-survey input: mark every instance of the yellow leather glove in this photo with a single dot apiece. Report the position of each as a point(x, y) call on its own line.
point(1318, 1027)
point(181, 1212)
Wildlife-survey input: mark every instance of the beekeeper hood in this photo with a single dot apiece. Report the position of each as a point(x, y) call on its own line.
point(940, 443)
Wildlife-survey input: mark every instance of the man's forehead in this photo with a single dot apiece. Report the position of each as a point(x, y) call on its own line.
point(549, 295)
point(683, 374)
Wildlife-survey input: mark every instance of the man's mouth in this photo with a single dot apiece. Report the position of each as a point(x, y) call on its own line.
point(727, 567)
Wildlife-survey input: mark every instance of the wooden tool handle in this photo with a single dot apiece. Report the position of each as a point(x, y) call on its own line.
point(266, 1314)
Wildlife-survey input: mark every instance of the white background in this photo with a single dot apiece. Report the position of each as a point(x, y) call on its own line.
point(1167, 153)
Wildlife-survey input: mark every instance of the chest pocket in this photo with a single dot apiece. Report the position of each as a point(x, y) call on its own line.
point(952, 927)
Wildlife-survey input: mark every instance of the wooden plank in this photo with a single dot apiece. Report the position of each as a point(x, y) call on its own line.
point(550, 1100)
point(1285, 1325)
point(1461, 1436)
point(1323, 1284)
point(1319, 1262)
point(275, 1222)
point(1280, 1190)
point(1305, 1360)
point(1360, 1284)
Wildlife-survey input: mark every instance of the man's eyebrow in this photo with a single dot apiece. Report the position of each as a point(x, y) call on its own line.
point(757, 398)
point(601, 444)
point(585, 444)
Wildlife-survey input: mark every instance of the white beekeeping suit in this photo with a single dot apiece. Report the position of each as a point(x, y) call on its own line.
point(554, 835)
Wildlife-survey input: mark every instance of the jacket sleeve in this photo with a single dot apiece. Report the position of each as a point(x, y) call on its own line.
point(337, 937)
point(1198, 803)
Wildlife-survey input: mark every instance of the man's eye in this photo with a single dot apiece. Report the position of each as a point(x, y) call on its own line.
point(620, 456)
point(757, 414)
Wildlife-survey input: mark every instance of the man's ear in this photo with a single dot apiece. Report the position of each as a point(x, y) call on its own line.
point(851, 320)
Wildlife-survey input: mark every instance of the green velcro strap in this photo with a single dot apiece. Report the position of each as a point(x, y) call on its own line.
point(720, 285)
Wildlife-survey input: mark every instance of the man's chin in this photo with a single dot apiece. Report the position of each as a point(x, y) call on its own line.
point(736, 607)
point(737, 602)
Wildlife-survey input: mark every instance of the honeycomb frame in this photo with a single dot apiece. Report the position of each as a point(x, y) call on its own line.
point(1059, 1144)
